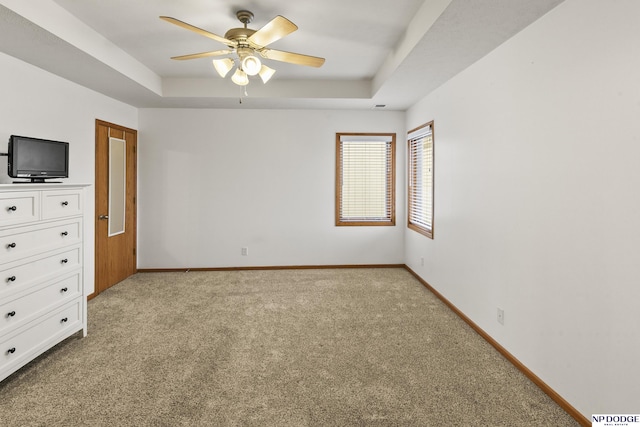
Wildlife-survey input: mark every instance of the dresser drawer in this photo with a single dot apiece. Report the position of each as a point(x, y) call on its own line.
point(19, 275)
point(19, 207)
point(20, 242)
point(59, 204)
point(23, 345)
point(30, 305)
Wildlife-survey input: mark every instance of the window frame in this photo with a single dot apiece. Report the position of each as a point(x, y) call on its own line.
point(419, 133)
point(390, 183)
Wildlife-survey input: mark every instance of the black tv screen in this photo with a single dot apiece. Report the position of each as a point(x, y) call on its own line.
point(37, 159)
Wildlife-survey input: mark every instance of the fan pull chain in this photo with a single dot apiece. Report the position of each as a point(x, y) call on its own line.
point(243, 93)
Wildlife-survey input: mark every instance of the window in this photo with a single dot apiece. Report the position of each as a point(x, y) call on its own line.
point(421, 179)
point(365, 179)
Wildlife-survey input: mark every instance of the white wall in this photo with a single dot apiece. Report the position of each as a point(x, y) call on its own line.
point(214, 181)
point(36, 103)
point(537, 200)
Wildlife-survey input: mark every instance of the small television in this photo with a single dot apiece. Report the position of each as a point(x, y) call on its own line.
point(37, 159)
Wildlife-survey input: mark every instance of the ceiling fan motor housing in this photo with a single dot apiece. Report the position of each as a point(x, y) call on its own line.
point(240, 36)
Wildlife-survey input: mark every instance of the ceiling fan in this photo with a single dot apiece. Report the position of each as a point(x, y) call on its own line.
point(248, 44)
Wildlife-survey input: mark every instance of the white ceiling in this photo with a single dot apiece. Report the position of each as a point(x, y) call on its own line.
point(377, 51)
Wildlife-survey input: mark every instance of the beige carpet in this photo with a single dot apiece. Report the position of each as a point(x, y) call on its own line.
point(343, 347)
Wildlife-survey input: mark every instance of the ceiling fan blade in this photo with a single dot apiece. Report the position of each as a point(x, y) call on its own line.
point(200, 31)
point(203, 54)
point(293, 58)
point(274, 30)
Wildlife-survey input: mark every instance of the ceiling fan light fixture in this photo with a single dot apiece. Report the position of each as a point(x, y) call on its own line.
point(266, 73)
point(240, 78)
point(251, 65)
point(247, 44)
point(223, 66)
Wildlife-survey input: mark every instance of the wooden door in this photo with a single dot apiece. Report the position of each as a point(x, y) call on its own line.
point(115, 256)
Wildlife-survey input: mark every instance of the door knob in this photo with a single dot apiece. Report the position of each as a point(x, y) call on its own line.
point(103, 217)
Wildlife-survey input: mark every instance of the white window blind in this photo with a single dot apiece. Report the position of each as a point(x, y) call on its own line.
point(421, 179)
point(365, 181)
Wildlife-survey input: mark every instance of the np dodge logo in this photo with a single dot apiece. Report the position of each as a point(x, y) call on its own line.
point(617, 420)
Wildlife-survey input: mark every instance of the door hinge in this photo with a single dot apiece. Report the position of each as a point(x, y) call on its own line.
point(134, 251)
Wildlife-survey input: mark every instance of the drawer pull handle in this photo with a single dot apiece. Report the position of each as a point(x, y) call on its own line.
point(64, 233)
point(11, 245)
point(12, 208)
point(63, 290)
point(63, 320)
point(65, 203)
point(11, 350)
point(64, 261)
point(11, 279)
point(11, 314)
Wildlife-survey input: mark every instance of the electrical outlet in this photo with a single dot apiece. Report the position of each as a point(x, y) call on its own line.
point(245, 251)
point(422, 261)
point(501, 316)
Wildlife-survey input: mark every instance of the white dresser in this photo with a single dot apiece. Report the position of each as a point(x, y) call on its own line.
point(42, 296)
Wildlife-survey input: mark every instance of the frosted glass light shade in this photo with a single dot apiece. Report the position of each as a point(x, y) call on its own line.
point(223, 66)
point(251, 65)
point(266, 73)
point(240, 78)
